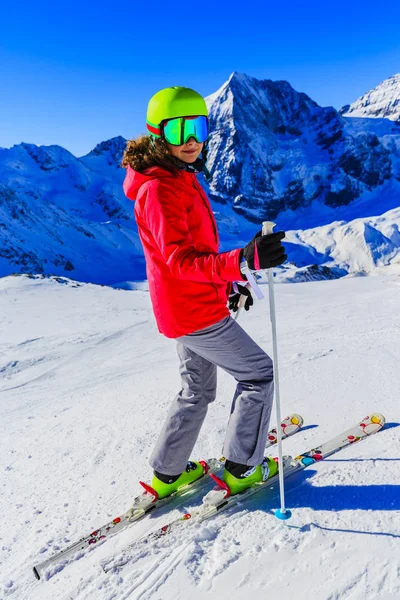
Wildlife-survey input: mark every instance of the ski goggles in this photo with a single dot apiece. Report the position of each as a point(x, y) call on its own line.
point(179, 130)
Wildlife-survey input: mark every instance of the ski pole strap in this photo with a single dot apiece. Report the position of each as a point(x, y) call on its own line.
point(256, 258)
point(244, 269)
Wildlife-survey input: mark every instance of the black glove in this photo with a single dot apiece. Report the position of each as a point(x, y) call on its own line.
point(270, 251)
point(234, 298)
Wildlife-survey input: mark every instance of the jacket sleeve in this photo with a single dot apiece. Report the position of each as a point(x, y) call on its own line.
point(165, 217)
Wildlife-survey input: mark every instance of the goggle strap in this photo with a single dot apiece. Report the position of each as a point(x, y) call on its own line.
point(153, 129)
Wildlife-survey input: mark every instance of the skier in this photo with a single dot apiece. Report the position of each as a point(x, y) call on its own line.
point(189, 283)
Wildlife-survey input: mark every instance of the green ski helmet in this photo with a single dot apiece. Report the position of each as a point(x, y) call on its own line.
point(170, 103)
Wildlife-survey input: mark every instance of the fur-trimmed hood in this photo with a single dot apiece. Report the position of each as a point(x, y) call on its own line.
point(134, 180)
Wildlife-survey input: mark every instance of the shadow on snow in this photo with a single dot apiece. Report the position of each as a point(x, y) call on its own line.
point(330, 497)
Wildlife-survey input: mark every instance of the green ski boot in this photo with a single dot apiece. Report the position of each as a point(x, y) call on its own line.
point(249, 476)
point(194, 471)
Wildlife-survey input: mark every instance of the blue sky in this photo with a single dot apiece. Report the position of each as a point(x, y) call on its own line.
point(77, 73)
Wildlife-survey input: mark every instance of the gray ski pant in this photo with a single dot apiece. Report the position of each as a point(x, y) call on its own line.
point(226, 345)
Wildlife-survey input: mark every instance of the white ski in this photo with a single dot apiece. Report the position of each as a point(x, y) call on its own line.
point(220, 499)
point(147, 502)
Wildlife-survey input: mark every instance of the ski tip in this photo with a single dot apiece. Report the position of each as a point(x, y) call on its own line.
point(296, 419)
point(283, 515)
point(372, 423)
point(291, 424)
point(378, 419)
point(36, 573)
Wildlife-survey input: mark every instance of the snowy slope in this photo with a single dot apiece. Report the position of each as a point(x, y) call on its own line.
point(358, 247)
point(85, 382)
point(381, 102)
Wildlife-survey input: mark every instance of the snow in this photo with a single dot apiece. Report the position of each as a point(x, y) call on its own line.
point(358, 246)
point(85, 382)
point(382, 101)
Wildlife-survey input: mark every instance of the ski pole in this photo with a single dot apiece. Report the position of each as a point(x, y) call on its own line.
point(242, 302)
point(282, 513)
point(251, 283)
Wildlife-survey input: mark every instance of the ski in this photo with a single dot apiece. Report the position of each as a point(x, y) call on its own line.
point(147, 501)
point(219, 498)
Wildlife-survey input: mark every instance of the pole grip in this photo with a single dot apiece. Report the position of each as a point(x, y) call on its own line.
point(268, 227)
point(242, 301)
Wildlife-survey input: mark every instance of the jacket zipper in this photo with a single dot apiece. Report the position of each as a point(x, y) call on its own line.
point(199, 189)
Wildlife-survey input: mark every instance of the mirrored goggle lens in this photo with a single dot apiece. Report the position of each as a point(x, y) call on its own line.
point(178, 131)
point(196, 127)
point(172, 131)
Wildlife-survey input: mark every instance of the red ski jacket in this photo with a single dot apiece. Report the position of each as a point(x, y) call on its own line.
point(189, 281)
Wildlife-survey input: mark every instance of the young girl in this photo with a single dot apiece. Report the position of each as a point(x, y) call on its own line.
point(189, 282)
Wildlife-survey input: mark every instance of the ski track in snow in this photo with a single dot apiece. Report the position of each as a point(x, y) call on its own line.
point(85, 382)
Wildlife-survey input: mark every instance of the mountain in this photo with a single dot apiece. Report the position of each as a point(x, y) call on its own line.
point(381, 102)
point(275, 151)
point(273, 154)
point(67, 216)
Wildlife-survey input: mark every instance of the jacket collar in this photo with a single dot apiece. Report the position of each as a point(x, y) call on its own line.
point(134, 180)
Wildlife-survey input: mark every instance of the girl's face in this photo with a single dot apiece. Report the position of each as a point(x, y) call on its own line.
point(188, 152)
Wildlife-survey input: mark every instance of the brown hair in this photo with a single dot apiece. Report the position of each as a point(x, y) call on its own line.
point(145, 152)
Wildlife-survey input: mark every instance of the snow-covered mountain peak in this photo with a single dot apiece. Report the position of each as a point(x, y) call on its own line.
point(48, 158)
point(112, 149)
point(265, 94)
point(238, 77)
point(381, 102)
